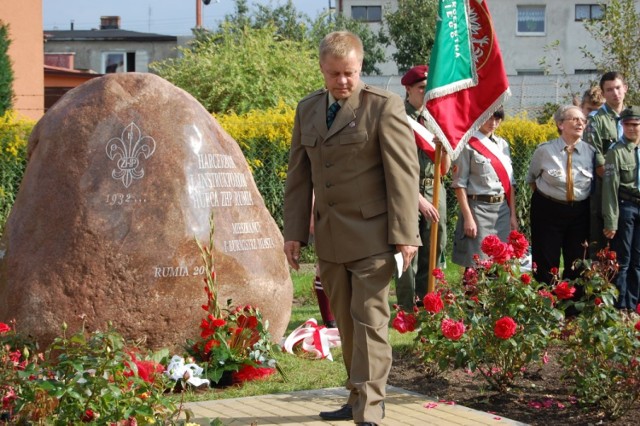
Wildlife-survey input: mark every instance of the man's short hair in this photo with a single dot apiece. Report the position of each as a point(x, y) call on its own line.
point(610, 76)
point(340, 44)
point(499, 113)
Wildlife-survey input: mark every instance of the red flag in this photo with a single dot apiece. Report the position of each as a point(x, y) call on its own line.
point(467, 82)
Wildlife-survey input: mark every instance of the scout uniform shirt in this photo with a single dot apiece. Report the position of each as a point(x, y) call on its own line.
point(620, 181)
point(602, 131)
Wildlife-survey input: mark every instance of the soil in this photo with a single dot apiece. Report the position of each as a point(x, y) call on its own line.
point(541, 397)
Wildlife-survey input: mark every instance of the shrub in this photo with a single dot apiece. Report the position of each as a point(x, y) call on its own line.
point(14, 133)
point(498, 322)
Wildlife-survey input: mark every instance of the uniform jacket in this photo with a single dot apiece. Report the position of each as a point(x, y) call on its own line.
point(602, 131)
point(364, 171)
point(621, 171)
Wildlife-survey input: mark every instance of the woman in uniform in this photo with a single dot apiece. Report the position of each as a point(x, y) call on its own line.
point(483, 182)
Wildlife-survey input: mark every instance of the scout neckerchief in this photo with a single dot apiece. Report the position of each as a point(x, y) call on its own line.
point(424, 138)
point(498, 162)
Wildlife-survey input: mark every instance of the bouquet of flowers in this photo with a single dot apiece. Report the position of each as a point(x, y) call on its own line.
point(234, 344)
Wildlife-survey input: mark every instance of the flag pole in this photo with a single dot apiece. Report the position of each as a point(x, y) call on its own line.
point(433, 243)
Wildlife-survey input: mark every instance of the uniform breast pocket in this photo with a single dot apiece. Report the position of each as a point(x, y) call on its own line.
point(628, 173)
point(308, 140)
point(481, 165)
point(353, 138)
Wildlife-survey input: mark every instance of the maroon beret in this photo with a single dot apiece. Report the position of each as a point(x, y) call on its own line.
point(414, 75)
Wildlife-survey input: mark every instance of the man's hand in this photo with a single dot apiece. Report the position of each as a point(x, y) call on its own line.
point(470, 228)
point(427, 209)
point(609, 233)
point(292, 251)
point(407, 254)
point(600, 170)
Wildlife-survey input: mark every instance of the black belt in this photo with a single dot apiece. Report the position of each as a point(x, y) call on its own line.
point(565, 202)
point(628, 197)
point(491, 199)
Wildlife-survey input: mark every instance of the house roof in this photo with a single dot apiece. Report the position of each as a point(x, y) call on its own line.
point(105, 35)
point(51, 70)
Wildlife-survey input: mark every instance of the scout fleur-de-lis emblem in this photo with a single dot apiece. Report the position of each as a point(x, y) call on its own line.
point(127, 149)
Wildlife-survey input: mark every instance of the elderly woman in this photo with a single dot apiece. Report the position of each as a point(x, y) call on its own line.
point(483, 182)
point(560, 175)
point(621, 207)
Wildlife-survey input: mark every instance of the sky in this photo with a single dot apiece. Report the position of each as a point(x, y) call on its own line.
point(170, 17)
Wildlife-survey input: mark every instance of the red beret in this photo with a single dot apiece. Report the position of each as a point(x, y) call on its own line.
point(414, 75)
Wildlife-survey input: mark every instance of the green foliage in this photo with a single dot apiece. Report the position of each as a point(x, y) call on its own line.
point(14, 133)
point(83, 378)
point(494, 292)
point(618, 32)
point(371, 42)
point(290, 24)
point(412, 29)
point(243, 69)
point(603, 350)
point(6, 72)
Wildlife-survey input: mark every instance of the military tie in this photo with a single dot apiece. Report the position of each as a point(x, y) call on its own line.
point(331, 114)
point(569, 173)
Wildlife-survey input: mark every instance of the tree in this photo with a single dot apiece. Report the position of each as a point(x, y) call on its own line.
point(6, 73)
point(290, 23)
point(372, 43)
point(240, 69)
point(412, 30)
point(618, 32)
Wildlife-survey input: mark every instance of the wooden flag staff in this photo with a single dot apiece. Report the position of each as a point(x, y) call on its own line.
point(433, 243)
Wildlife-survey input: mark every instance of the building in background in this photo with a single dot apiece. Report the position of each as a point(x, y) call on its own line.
point(24, 18)
point(109, 48)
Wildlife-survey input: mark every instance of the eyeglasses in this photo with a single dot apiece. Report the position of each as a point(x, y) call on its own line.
point(575, 120)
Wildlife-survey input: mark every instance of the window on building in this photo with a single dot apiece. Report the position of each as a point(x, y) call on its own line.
point(367, 13)
point(530, 72)
point(589, 11)
point(531, 20)
point(114, 62)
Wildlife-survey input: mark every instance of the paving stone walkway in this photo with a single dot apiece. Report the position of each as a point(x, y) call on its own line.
point(403, 408)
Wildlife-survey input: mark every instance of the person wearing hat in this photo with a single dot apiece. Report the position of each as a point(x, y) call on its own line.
point(621, 206)
point(413, 283)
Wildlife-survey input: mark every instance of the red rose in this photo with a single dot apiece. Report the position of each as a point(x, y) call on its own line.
point(438, 274)
point(213, 343)
point(88, 416)
point(433, 303)
point(553, 271)
point(598, 301)
point(637, 326)
point(452, 329)
point(489, 243)
point(505, 327)
point(4, 327)
point(499, 251)
point(470, 277)
point(564, 291)
point(403, 322)
point(519, 243)
point(638, 308)
point(525, 278)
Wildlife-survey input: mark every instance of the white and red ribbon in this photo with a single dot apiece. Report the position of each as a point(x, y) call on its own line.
point(313, 338)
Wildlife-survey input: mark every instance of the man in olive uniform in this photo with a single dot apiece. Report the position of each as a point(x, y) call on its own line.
point(621, 207)
point(414, 282)
point(351, 147)
point(603, 130)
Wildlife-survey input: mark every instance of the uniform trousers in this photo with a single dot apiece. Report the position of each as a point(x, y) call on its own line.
point(597, 240)
point(626, 244)
point(359, 297)
point(558, 229)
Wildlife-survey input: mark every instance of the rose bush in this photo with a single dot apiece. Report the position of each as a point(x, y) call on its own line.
point(602, 346)
point(497, 321)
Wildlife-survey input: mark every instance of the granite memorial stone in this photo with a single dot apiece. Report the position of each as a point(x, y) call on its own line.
point(123, 174)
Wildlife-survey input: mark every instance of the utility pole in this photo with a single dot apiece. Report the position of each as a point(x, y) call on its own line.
point(198, 13)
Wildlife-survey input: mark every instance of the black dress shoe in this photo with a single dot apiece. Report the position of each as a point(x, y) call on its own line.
point(366, 424)
point(343, 413)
